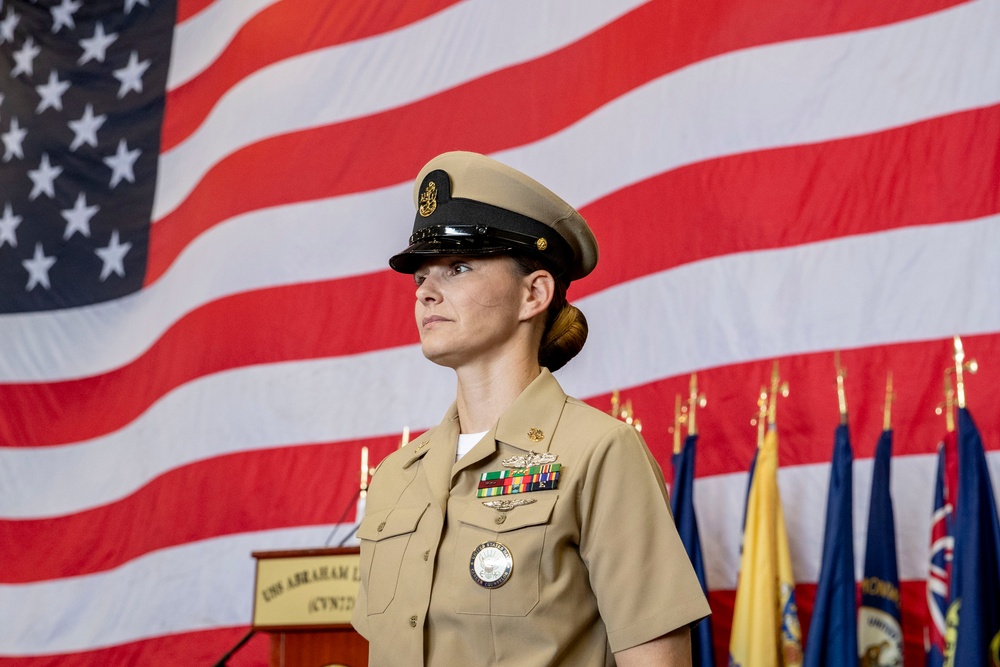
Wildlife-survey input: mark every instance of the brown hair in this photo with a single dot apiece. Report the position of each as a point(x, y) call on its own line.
point(565, 329)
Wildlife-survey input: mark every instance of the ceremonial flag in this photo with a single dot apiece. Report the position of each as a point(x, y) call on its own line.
point(880, 633)
point(973, 619)
point(184, 386)
point(941, 551)
point(833, 638)
point(682, 507)
point(765, 619)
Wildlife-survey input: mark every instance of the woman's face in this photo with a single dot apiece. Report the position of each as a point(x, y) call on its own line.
point(468, 308)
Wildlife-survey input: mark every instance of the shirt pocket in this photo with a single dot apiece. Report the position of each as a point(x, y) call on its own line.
point(522, 530)
point(384, 537)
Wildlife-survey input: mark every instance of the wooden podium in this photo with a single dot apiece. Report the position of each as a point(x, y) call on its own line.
point(304, 600)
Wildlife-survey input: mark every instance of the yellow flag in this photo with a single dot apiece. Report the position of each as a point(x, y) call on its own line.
point(766, 619)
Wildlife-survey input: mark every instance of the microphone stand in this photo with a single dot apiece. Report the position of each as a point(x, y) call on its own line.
point(224, 660)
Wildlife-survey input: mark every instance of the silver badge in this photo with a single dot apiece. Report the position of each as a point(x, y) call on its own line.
point(508, 505)
point(528, 460)
point(491, 564)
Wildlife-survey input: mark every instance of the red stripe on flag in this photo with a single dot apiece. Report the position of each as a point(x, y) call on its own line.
point(275, 34)
point(225, 495)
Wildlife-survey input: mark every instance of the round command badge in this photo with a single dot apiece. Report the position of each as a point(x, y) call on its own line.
point(491, 564)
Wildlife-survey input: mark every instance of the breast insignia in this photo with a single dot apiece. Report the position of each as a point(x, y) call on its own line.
point(507, 505)
point(528, 460)
point(491, 565)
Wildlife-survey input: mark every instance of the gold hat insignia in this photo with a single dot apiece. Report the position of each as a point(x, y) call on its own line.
point(428, 200)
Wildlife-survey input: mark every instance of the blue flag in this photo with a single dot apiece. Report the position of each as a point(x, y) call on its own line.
point(941, 551)
point(973, 621)
point(880, 634)
point(682, 506)
point(833, 638)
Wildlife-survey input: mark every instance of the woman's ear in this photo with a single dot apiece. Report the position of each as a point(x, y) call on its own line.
point(540, 288)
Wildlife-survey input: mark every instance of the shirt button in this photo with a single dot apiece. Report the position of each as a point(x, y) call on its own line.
point(500, 518)
point(381, 526)
point(427, 554)
point(413, 621)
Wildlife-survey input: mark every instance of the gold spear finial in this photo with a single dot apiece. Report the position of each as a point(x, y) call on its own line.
point(962, 365)
point(948, 407)
point(890, 396)
point(777, 386)
point(678, 420)
point(615, 404)
point(761, 419)
point(364, 471)
point(695, 401)
point(841, 394)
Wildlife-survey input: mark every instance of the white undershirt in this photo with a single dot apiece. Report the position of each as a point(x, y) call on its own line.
point(467, 441)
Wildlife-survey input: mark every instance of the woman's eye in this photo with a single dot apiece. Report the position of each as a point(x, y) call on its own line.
point(460, 268)
point(418, 279)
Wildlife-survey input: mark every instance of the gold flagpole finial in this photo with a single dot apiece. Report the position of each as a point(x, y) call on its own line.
point(948, 407)
point(629, 416)
point(695, 401)
point(761, 419)
point(406, 436)
point(364, 471)
point(889, 398)
point(678, 420)
point(777, 387)
point(615, 404)
point(841, 393)
point(962, 365)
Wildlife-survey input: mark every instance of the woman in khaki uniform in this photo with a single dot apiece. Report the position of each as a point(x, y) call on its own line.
point(527, 528)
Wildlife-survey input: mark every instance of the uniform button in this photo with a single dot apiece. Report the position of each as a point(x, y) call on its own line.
point(381, 526)
point(427, 554)
point(500, 518)
point(413, 621)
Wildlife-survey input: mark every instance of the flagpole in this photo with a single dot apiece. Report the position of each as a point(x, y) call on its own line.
point(887, 410)
point(695, 400)
point(678, 419)
point(841, 394)
point(777, 386)
point(962, 365)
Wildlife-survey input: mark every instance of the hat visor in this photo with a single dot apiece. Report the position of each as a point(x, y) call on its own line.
point(410, 259)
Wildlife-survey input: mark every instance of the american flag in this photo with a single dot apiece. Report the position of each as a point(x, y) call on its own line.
point(200, 332)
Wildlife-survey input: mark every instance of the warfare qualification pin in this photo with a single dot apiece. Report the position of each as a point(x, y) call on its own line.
point(490, 565)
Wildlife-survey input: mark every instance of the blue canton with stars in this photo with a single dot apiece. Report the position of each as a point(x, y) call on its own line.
point(81, 106)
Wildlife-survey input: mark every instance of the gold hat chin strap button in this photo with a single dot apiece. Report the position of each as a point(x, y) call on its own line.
point(541, 244)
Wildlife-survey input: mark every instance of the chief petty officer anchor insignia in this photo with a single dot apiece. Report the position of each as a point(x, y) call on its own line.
point(491, 563)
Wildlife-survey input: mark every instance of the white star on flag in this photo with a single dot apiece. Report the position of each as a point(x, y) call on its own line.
point(62, 15)
point(78, 217)
point(13, 140)
point(122, 163)
point(8, 225)
point(7, 26)
point(38, 268)
point(130, 4)
point(113, 256)
point(85, 128)
point(131, 75)
point(44, 178)
point(24, 58)
point(95, 48)
point(51, 93)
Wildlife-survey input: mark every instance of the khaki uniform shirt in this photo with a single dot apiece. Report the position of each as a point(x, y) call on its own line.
point(597, 563)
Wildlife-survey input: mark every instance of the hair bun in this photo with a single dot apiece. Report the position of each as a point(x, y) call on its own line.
point(564, 339)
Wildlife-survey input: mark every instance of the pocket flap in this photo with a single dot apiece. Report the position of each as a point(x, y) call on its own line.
point(533, 514)
point(390, 522)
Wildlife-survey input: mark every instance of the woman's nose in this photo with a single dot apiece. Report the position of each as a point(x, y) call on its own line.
point(427, 290)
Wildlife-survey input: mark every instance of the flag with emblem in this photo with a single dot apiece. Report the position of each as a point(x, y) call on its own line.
point(765, 619)
point(832, 638)
point(682, 507)
point(880, 633)
point(973, 618)
point(941, 551)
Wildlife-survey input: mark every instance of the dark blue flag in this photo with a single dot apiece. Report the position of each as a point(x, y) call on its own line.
point(880, 634)
point(682, 506)
point(81, 106)
point(833, 638)
point(973, 621)
point(941, 552)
